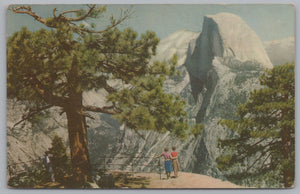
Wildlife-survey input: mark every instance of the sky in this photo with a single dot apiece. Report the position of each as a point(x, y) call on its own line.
point(270, 22)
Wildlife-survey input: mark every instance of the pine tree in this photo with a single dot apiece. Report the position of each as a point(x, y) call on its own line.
point(59, 159)
point(264, 140)
point(53, 67)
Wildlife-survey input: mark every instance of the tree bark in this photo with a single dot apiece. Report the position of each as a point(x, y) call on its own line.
point(288, 172)
point(78, 140)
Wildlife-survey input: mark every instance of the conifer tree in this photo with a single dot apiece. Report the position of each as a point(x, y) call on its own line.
point(59, 158)
point(53, 67)
point(264, 142)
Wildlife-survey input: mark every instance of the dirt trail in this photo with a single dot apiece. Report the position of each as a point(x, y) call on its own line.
point(152, 180)
point(185, 180)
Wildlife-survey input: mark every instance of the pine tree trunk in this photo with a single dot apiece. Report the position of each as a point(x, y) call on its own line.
point(286, 150)
point(288, 172)
point(78, 140)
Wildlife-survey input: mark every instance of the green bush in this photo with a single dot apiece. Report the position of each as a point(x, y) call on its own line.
point(29, 179)
point(60, 162)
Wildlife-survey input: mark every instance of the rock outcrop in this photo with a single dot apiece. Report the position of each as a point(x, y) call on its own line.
point(224, 64)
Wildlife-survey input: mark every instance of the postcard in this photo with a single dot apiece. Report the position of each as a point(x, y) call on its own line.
point(144, 96)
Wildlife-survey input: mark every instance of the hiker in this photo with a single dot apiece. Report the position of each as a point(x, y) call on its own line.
point(168, 162)
point(48, 165)
point(175, 163)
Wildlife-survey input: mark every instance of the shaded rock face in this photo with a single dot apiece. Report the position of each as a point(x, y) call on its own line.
point(229, 38)
point(224, 64)
point(27, 142)
point(220, 60)
point(219, 67)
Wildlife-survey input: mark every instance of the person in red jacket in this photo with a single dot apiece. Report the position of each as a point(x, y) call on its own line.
point(175, 163)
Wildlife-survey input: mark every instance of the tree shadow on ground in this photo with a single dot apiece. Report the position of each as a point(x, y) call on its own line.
point(131, 181)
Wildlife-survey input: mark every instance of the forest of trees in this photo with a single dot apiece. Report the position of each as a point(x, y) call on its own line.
point(263, 146)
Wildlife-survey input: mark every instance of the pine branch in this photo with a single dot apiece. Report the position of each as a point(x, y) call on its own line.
point(75, 11)
point(258, 142)
point(112, 66)
point(255, 161)
point(263, 164)
point(53, 12)
point(120, 20)
point(31, 113)
point(106, 109)
point(88, 115)
point(45, 94)
point(27, 10)
point(262, 148)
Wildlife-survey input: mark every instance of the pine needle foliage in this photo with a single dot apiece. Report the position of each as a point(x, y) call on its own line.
point(60, 161)
point(262, 151)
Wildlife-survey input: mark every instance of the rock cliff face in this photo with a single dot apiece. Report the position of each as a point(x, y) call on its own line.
point(219, 67)
point(224, 64)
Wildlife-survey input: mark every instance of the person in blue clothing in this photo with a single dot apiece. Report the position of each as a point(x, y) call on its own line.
point(168, 162)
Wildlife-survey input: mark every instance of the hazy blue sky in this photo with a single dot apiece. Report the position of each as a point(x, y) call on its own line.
point(268, 21)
